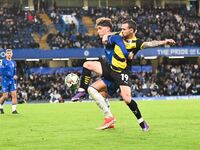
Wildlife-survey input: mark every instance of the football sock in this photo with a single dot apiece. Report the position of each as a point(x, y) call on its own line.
point(99, 99)
point(134, 108)
point(85, 78)
point(1, 106)
point(14, 107)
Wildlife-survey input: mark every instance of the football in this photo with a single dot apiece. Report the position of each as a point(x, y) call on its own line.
point(72, 79)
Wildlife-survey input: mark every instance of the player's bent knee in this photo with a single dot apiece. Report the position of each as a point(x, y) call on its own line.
point(87, 65)
point(5, 97)
point(91, 90)
point(14, 94)
point(127, 99)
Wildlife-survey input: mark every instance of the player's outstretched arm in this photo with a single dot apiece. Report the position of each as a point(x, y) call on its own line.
point(150, 44)
point(158, 43)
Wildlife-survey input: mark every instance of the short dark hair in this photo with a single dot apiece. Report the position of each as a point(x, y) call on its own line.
point(131, 23)
point(105, 22)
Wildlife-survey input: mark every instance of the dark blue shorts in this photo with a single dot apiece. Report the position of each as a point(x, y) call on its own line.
point(8, 86)
point(111, 87)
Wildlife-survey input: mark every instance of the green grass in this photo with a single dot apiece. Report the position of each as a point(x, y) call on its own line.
point(175, 125)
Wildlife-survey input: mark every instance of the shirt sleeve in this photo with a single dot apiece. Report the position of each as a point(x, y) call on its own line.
point(117, 39)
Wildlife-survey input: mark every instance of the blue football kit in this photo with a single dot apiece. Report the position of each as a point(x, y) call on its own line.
point(8, 71)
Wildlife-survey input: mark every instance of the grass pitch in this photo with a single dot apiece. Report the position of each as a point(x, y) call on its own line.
point(174, 125)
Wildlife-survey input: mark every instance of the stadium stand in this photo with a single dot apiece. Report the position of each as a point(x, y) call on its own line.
point(162, 23)
point(168, 80)
point(31, 28)
point(17, 27)
point(180, 79)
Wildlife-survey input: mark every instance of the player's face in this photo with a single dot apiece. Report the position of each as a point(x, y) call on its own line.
point(101, 30)
point(9, 55)
point(126, 31)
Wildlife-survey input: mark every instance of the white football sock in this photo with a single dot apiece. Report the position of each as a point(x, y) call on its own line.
point(107, 102)
point(14, 107)
point(1, 106)
point(99, 99)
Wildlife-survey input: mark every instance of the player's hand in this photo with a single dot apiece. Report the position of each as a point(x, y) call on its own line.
point(105, 39)
point(130, 56)
point(15, 77)
point(170, 42)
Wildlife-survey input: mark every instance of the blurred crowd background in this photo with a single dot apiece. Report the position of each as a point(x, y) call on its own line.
point(18, 26)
